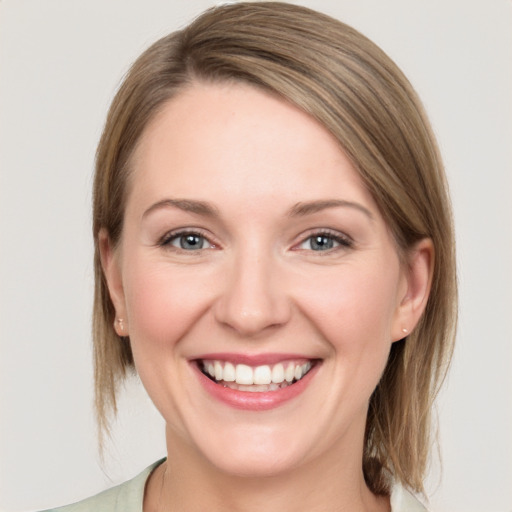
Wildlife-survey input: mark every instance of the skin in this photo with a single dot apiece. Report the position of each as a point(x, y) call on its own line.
point(258, 286)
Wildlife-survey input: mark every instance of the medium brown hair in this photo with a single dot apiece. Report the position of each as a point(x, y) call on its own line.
point(349, 85)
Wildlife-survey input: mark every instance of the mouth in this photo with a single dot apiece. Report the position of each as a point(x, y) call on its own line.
point(256, 379)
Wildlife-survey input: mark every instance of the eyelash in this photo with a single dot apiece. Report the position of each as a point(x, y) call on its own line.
point(343, 241)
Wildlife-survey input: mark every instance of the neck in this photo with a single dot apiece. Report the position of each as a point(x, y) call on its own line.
point(188, 482)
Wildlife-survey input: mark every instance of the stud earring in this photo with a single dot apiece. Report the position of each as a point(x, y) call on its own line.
point(404, 330)
point(120, 323)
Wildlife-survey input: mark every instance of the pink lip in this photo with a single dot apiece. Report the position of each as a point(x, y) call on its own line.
point(254, 401)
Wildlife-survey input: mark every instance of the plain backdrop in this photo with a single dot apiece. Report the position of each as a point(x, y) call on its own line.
point(60, 64)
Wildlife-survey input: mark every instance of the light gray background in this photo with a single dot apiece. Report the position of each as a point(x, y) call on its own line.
point(60, 63)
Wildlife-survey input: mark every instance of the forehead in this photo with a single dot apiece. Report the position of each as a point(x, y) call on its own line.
point(236, 139)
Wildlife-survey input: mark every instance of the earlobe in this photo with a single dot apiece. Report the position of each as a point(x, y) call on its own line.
point(418, 273)
point(111, 269)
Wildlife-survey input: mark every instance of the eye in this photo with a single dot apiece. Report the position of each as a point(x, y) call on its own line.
point(186, 241)
point(321, 242)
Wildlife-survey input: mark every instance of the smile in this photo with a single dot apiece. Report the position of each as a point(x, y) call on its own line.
point(255, 383)
point(263, 378)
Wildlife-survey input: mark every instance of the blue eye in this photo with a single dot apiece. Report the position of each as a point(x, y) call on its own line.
point(324, 242)
point(186, 241)
point(190, 242)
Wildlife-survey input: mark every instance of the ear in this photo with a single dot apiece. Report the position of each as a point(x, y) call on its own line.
point(112, 270)
point(415, 288)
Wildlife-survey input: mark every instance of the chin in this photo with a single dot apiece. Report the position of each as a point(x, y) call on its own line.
point(251, 454)
point(256, 465)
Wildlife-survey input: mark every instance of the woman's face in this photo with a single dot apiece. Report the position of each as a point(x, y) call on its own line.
point(252, 252)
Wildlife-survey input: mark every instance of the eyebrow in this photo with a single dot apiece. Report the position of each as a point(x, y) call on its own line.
point(298, 210)
point(308, 208)
point(188, 205)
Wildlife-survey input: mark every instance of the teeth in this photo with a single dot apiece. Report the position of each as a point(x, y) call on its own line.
point(229, 373)
point(262, 375)
point(278, 373)
point(244, 374)
point(255, 387)
point(289, 374)
point(218, 371)
point(259, 378)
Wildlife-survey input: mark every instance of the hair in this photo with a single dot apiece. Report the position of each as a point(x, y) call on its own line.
point(348, 84)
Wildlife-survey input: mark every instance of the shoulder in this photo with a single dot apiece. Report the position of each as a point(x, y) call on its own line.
point(403, 501)
point(127, 497)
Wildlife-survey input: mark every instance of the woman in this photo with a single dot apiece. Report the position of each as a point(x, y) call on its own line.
point(275, 258)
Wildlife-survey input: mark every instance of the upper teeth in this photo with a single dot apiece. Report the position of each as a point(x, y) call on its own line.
point(248, 375)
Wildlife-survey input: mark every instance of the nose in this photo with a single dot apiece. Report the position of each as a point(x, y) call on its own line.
point(253, 298)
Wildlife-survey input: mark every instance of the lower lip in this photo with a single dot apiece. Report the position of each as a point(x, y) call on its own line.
point(255, 401)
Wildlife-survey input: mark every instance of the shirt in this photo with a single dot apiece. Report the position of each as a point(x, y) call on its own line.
point(129, 497)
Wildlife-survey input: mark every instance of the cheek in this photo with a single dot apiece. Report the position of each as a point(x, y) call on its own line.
point(163, 304)
point(353, 309)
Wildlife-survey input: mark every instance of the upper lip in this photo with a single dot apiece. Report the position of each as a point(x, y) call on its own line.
point(254, 359)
